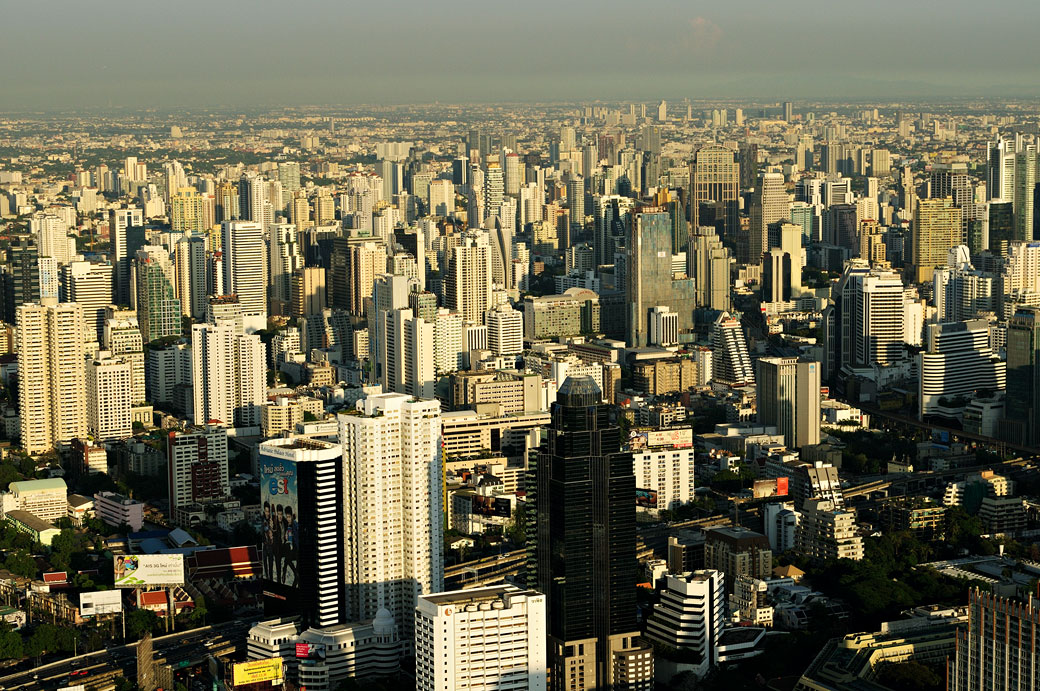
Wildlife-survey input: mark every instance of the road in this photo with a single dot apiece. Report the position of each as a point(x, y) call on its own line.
point(103, 666)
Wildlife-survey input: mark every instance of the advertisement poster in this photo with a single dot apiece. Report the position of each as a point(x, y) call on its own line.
point(258, 671)
point(101, 602)
point(279, 520)
point(143, 570)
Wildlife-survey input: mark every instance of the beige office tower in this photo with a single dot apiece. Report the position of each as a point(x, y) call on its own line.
point(467, 285)
point(937, 228)
point(768, 206)
point(187, 212)
point(52, 387)
point(788, 395)
point(715, 181)
point(871, 241)
point(122, 338)
point(109, 397)
point(308, 291)
point(393, 516)
point(228, 375)
point(708, 264)
point(324, 208)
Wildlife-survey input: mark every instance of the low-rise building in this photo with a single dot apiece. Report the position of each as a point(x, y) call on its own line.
point(827, 532)
point(39, 530)
point(116, 510)
point(45, 499)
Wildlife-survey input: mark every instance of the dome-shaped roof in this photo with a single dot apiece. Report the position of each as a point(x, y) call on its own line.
point(383, 624)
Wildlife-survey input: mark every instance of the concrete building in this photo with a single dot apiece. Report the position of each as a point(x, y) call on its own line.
point(788, 397)
point(393, 472)
point(996, 624)
point(482, 638)
point(110, 390)
point(52, 387)
point(826, 532)
point(197, 467)
point(735, 551)
point(45, 499)
point(228, 375)
point(246, 269)
point(690, 617)
point(116, 510)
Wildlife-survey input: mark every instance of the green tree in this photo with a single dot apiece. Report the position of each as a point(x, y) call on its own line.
point(21, 563)
point(141, 621)
point(910, 676)
point(516, 531)
point(11, 647)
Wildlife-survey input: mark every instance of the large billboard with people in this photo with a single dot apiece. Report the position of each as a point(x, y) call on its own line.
point(279, 520)
point(144, 570)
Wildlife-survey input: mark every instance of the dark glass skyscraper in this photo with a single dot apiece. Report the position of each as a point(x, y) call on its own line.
point(584, 558)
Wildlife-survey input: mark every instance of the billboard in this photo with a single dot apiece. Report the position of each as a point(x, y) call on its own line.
point(258, 671)
point(490, 506)
point(140, 570)
point(770, 488)
point(677, 438)
point(310, 651)
point(101, 602)
point(646, 498)
point(279, 520)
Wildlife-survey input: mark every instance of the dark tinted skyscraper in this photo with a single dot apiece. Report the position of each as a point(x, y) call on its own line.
point(585, 558)
point(22, 282)
point(301, 490)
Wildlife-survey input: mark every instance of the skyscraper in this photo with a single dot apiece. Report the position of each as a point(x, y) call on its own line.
point(768, 206)
point(958, 361)
point(110, 390)
point(1022, 404)
point(285, 257)
point(197, 466)
point(22, 282)
point(191, 265)
point(937, 228)
point(187, 212)
point(730, 362)
point(1000, 170)
point(89, 285)
point(476, 627)
point(999, 649)
point(52, 388)
point(467, 283)
point(228, 375)
point(1025, 188)
point(714, 190)
point(584, 557)
point(245, 270)
point(787, 392)
point(302, 529)
point(158, 311)
point(392, 480)
point(308, 291)
point(252, 199)
point(650, 281)
point(123, 249)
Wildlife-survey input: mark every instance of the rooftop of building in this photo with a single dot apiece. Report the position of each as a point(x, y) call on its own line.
point(48, 485)
point(475, 596)
point(33, 522)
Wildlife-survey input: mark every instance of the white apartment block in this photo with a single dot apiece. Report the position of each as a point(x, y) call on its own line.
point(392, 474)
point(110, 389)
point(481, 639)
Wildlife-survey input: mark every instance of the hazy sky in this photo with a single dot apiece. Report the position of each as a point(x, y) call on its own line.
point(55, 53)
